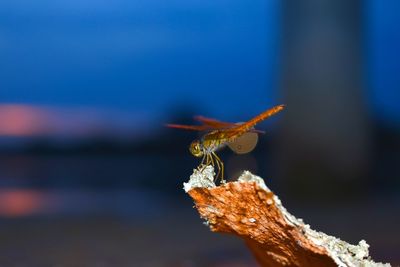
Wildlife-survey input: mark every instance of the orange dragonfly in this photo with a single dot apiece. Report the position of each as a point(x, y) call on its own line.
point(218, 135)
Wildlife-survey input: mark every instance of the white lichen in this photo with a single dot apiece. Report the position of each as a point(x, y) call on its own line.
point(249, 177)
point(343, 253)
point(200, 178)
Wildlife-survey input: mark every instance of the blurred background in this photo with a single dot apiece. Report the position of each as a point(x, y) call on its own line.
point(89, 176)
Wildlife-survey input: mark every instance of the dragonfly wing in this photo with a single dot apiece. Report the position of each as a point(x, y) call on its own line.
point(227, 130)
point(213, 122)
point(207, 125)
point(257, 131)
point(244, 143)
point(188, 127)
point(216, 124)
point(240, 129)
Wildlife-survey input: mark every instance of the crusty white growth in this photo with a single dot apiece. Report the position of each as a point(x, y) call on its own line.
point(249, 177)
point(343, 253)
point(201, 178)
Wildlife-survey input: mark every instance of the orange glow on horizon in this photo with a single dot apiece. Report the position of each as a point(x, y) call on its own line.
point(16, 203)
point(22, 120)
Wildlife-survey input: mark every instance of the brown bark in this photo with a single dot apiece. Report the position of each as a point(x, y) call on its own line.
point(249, 210)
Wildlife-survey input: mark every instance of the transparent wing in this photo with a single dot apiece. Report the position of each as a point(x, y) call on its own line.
point(213, 122)
point(240, 129)
point(189, 127)
point(227, 130)
point(216, 124)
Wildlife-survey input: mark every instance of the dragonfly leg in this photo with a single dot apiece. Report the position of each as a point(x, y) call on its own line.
point(218, 165)
point(203, 165)
point(212, 161)
point(221, 164)
point(202, 161)
point(208, 161)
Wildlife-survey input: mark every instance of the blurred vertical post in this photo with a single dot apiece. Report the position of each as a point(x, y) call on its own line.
point(325, 140)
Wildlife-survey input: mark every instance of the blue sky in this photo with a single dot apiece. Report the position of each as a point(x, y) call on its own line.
point(149, 56)
point(143, 56)
point(383, 71)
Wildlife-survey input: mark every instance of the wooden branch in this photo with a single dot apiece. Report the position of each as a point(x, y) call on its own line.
point(248, 209)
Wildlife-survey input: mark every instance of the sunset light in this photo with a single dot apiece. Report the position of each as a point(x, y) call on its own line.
point(22, 120)
point(20, 202)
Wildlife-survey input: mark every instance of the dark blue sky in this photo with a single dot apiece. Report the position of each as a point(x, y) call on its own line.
point(149, 56)
point(139, 55)
point(383, 57)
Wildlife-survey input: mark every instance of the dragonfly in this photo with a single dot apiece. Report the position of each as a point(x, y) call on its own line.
point(218, 134)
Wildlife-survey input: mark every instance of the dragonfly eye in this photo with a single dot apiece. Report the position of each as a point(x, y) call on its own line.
point(195, 149)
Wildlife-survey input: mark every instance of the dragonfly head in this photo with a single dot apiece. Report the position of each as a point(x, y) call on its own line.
point(195, 149)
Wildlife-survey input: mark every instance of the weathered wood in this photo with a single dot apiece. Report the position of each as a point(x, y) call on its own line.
point(248, 209)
